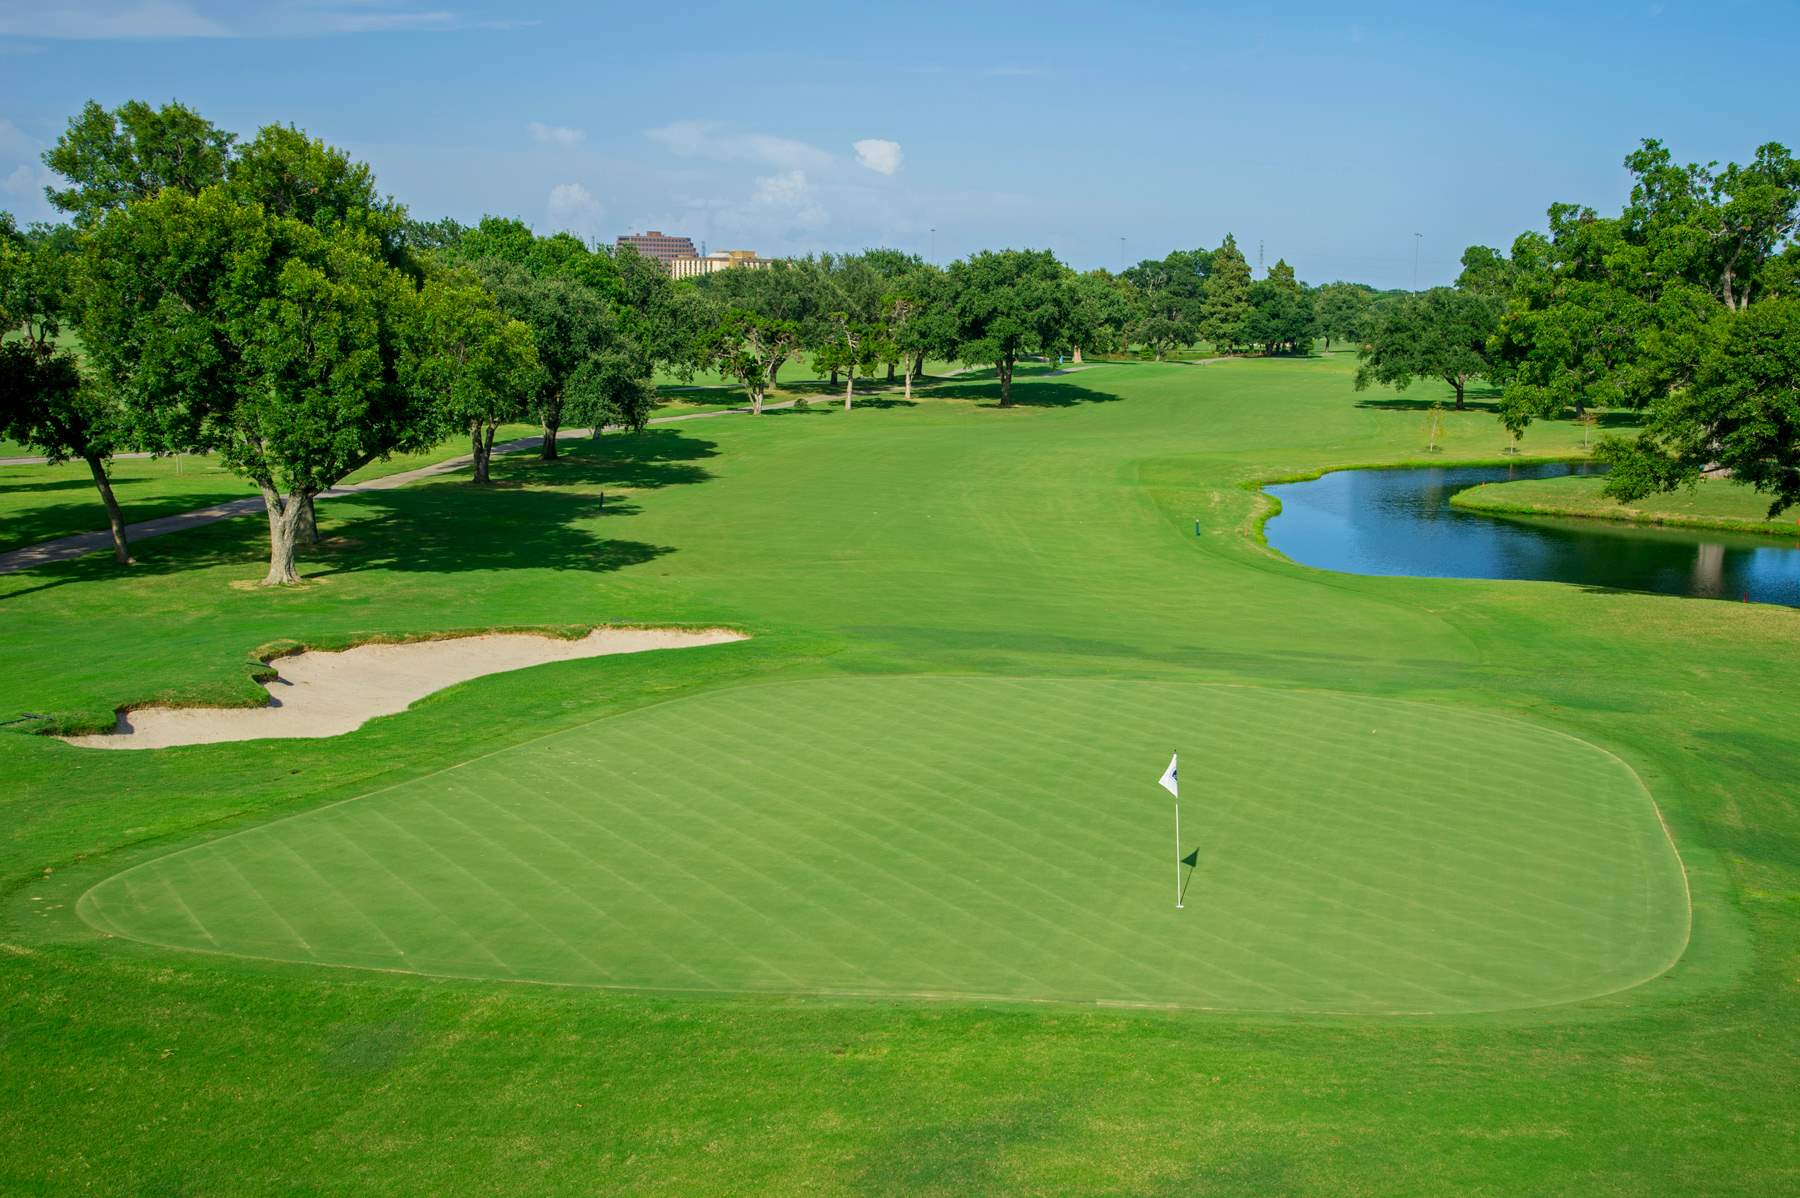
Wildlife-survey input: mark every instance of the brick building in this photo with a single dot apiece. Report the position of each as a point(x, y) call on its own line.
point(660, 246)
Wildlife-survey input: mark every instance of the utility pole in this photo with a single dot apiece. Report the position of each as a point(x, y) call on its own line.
point(1417, 238)
point(1259, 253)
point(1123, 263)
point(931, 256)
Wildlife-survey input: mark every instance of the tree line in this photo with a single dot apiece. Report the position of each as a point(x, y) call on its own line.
point(263, 301)
point(1685, 307)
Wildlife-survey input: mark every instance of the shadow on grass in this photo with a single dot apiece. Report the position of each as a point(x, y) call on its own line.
point(55, 484)
point(538, 515)
point(1026, 393)
point(50, 521)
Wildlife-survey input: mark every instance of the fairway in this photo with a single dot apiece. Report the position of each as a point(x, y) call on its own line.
point(956, 836)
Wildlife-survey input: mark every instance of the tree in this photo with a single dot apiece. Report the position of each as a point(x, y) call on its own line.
point(301, 178)
point(1281, 315)
point(1226, 310)
point(223, 328)
point(1439, 334)
point(916, 313)
point(750, 347)
point(571, 325)
point(1616, 311)
point(794, 293)
point(849, 345)
point(1341, 310)
point(480, 365)
point(1170, 299)
point(113, 158)
point(648, 310)
point(1486, 272)
point(1005, 303)
point(44, 400)
point(1101, 313)
point(1742, 413)
point(46, 404)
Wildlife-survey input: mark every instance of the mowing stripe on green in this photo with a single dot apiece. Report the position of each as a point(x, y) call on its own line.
point(932, 835)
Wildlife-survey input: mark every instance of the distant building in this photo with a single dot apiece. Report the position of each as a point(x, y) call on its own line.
point(686, 266)
point(660, 246)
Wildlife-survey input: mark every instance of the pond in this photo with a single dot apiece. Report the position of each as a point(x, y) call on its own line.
point(1401, 522)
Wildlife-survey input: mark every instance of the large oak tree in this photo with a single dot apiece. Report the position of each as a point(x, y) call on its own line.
point(1005, 303)
point(281, 347)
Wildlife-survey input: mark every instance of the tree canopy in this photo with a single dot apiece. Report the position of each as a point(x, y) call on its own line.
point(1006, 303)
point(1438, 334)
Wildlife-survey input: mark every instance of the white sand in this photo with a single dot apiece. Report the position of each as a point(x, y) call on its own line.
point(329, 694)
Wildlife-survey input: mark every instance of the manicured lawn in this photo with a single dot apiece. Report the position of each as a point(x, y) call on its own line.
point(1713, 503)
point(896, 842)
point(39, 503)
point(975, 635)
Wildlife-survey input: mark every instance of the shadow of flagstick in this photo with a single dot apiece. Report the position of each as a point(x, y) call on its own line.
point(1192, 861)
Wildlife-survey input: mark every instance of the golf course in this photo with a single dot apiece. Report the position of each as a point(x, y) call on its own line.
point(1495, 887)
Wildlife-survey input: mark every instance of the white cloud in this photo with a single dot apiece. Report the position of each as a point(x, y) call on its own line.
point(556, 135)
point(143, 19)
point(13, 140)
point(27, 181)
point(574, 209)
point(100, 19)
point(879, 155)
point(712, 139)
point(791, 194)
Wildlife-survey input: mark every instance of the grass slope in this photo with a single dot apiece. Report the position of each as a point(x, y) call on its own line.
point(1713, 503)
point(1041, 550)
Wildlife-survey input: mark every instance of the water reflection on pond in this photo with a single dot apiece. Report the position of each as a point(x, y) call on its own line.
point(1401, 522)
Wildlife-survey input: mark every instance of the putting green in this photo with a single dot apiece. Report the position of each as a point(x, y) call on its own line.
point(931, 835)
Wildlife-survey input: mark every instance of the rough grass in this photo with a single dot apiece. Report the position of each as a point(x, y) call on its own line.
point(1053, 541)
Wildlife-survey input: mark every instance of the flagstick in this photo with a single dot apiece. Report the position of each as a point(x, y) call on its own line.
point(1178, 895)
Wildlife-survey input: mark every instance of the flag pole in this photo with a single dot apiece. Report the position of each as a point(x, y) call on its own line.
point(1178, 852)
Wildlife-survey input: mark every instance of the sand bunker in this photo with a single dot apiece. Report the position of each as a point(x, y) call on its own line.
point(329, 694)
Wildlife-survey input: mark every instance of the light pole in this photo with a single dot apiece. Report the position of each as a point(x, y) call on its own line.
point(1122, 260)
point(932, 256)
point(1417, 238)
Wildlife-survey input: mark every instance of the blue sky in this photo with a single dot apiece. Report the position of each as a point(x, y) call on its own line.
point(1329, 134)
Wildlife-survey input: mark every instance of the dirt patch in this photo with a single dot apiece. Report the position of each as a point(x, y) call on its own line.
point(329, 694)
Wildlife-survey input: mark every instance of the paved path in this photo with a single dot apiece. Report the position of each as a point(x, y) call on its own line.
point(40, 460)
point(68, 548)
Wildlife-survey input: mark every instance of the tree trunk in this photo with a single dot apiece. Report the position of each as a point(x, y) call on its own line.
point(306, 526)
point(756, 402)
point(284, 523)
point(834, 374)
point(908, 377)
point(114, 517)
point(1006, 373)
point(919, 364)
point(849, 386)
point(479, 451)
point(775, 370)
point(548, 453)
point(1458, 384)
point(890, 377)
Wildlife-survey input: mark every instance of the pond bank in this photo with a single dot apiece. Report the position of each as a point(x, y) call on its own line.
point(1713, 503)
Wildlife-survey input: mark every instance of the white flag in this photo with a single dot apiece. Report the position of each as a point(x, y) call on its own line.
point(1167, 781)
